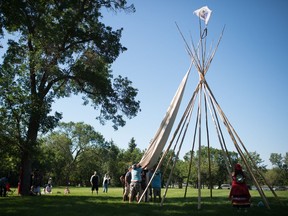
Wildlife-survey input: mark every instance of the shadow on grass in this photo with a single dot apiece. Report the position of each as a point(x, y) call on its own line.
point(102, 206)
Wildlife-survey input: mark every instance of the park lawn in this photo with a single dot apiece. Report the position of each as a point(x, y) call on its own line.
point(81, 202)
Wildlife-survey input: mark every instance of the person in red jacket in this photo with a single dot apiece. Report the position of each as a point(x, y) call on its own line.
point(239, 193)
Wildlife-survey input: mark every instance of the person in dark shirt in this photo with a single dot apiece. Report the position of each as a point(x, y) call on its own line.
point(127, 181)
point(94, 180)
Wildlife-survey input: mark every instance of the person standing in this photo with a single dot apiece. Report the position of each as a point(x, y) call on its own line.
point(94, 180)
point(156, 185)
point(127, 182)
point(239, 193)
point(106, 180)
point(135, 186)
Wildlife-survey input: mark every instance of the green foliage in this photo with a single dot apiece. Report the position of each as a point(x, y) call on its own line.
point(280, 167)
point(66, 146)
point(218, 173)
point(278, 160)
point(272, 177)
point(58, 48)
point(81, 151)
point(132, 145)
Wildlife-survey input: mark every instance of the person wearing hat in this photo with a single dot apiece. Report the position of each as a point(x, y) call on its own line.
point(239, 193)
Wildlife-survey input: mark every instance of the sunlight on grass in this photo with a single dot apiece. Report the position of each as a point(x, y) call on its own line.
point(81, 202)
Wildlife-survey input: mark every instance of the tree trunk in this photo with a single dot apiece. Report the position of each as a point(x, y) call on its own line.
point(26, 175)
point(27, 154)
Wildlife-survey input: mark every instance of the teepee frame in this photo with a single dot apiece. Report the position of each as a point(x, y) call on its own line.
point(202, 61)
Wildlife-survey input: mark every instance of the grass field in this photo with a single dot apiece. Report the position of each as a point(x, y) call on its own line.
point(81, 202)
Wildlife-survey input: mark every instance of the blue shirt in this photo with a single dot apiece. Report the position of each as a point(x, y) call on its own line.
point(156, 182)
point(136, 174)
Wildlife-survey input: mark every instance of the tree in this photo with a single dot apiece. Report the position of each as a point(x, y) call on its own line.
point(132, 145)
point(88, 162)
point(54, 151)
point(281, 166)
point(132, 154)
point(272, 176)
point(62, 48)
point(110, 163)
point(67, 144)
point(217, 174)
point(277, 159)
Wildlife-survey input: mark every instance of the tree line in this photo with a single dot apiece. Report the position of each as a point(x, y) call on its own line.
point(73, 151)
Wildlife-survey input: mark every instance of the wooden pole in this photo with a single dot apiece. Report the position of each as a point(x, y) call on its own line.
point(172, 139)
point(208, 144)
point(230, 130)
point(215, 119)
point(199, 150)
point(191, 155)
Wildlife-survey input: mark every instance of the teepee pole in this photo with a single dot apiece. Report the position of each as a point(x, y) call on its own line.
point(208, 144)
point(175, 161)
point(191, 155)
point(187, 116)
point(171, 141)
point(199, 150)
point(229, 129)
point(215, 119)
point(189, 110)
point(228, 125)
point(255, 167)
point(189, 107)
point(214, 52)
point(202, 47)
point(260, 190)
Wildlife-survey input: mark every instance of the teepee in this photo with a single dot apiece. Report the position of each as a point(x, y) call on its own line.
point(204, 103)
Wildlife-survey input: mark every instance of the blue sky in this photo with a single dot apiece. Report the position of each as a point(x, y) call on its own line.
point(248, 75)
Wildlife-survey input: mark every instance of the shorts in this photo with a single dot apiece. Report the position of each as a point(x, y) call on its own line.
point(135, 189)
point(94, 187)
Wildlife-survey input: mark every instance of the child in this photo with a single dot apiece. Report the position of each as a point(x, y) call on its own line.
point(66, 191)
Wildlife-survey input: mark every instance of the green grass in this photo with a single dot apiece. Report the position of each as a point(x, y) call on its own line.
point(81, 202)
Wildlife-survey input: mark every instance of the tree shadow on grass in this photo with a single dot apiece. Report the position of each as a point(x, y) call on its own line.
point(107, 206)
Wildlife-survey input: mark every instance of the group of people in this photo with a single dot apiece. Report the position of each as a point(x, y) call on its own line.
point(94, 180)
point(36, 183)
point(135, 181)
